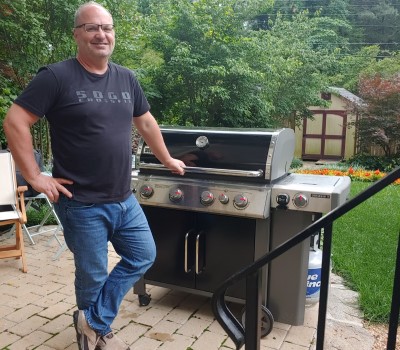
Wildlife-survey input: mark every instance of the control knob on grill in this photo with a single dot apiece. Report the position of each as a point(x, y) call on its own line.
point(146, 191)
point(300, 200)
point(175, 195)
point(282, 199)
point(206, 198)
point(223, 198)
point(240, 201)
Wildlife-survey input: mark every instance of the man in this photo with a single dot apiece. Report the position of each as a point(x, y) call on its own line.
point(89, 103)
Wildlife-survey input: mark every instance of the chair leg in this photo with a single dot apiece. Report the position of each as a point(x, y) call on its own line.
point(20, 245)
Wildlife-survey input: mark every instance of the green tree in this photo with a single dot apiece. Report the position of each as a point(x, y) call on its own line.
point(379, 22)
point(212, 68)
point(34, 33)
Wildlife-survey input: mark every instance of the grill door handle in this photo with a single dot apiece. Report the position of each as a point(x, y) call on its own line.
point(210, 171)
point(187, 248)
point(199, 246)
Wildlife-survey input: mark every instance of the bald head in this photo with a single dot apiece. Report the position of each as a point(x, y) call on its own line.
point(81, 9)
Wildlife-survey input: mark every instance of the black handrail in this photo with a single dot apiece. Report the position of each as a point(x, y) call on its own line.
point(235, 329)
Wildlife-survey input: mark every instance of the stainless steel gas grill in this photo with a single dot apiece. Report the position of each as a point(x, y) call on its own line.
point(223, 214)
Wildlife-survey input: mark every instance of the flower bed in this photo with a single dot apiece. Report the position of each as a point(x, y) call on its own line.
point(354, 174)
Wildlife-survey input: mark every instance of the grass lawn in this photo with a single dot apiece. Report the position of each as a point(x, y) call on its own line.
point(364, 249)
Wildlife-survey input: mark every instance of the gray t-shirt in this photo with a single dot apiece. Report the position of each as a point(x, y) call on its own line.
point(90, 118)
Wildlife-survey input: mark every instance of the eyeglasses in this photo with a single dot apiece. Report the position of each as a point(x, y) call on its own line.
point(94, 28)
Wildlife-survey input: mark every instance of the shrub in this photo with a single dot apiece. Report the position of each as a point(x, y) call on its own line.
point(296, 163)
point(368, 162)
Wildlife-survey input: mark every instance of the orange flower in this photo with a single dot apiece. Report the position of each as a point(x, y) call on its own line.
point(361, 175)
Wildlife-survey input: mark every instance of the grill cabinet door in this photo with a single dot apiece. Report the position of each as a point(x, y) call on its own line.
point(199, 250)
point(169, 228)
point(229, 244)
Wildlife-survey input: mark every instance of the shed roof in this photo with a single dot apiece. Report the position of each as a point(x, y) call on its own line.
point(346, 94)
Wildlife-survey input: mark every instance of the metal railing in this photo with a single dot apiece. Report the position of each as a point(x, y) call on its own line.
point(250, 335)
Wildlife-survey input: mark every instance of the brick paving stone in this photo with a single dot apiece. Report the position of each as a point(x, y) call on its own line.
point(291, 346)
point(23, 313)
point(55, 310)
point(179, 315)
point(194, 327)
point(51, 299)
point(5, 310)
point(58, 324)
point(283, 326)
point(30, 341)
point(69, 289)
point(28, 326)
point(215, 327)
point(124, 317)
point(131, 311)
point(151, 316)
point(311, 316)
point(7, 339)
point(205, 312)
point(9, 290)
point(44, 347)
point(209, 340)
point(301, 335)
point(70, 299)
point(144, 343)
point(228, 343)
point(63, 339)
point(179, 342)
point(5, 324)
point(163, 331)
point(26, 299)
point(132, 332)
point(262, 347)
point(275, 339)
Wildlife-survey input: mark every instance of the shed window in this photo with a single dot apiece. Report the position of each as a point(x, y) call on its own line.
point(326, 96)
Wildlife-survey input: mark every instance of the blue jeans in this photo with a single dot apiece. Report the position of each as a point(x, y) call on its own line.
point(87, 230)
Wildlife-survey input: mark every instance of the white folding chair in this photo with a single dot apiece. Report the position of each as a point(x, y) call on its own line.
point(35, 202)
point(32, 231)
point(35, 230)
point(12, 197)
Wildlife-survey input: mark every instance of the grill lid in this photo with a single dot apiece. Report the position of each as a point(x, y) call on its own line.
point(251, 154)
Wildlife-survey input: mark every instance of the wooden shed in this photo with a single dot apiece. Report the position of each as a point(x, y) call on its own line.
point(327, 136)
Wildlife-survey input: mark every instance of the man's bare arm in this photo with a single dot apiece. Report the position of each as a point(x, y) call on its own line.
point(17, 126)
point(149, 129)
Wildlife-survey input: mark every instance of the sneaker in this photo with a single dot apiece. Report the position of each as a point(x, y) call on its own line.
point(111, 342)
point(86, 337)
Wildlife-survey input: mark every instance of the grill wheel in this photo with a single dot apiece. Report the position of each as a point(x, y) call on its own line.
point(267, 320)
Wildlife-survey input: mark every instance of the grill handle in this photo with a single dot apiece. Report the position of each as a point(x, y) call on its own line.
point(210, 171)
point(187, 238)
point(199, 245)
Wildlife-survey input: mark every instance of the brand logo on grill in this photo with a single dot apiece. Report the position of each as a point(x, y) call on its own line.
point(316, 195)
